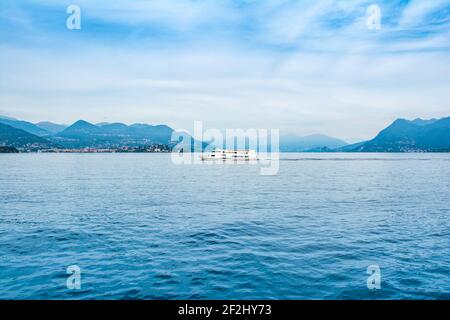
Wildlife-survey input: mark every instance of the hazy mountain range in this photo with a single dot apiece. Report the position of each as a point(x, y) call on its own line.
point(81, 134)
point(24, 125)
point(85, 134)
point(18, 138)
point(310, 143)
point(401, 136)
point(51, 127)
point(408, 136)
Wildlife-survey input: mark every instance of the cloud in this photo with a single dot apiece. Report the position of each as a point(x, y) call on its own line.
point(305, 67)
point(419, 13)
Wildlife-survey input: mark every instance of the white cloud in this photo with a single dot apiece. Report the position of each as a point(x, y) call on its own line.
point(418, 10)
point(302, 93)
point(337, 77)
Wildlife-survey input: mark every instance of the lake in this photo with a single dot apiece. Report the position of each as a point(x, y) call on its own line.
point(140, 227)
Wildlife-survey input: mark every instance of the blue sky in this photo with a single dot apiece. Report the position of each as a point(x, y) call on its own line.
point(302, 66)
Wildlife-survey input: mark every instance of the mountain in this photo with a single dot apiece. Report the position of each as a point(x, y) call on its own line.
point(349, 147)
point(80, 129)
point(118, 129)
point(402, 135)
point(316, 142)
point(409, 136)
point(158, 133)
point(107, 135)
point(82, 134)
point(24, 125)
point(51, 127)
point(422, 122)
point(13, 137)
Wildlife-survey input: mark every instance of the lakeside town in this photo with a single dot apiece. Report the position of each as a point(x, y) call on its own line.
point(157, 148)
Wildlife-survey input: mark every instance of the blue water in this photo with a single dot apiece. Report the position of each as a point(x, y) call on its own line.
point(140, 227)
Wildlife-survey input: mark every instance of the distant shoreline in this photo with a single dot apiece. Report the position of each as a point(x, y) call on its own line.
point(402, 136)
point(168, 152)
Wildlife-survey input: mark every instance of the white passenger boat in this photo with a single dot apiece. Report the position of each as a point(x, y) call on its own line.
point(236, 155)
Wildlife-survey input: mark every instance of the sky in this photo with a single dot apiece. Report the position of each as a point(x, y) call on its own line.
point(303, 67)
